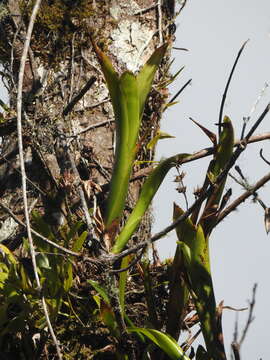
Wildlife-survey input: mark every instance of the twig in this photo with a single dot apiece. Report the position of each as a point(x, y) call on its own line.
point(236, 345)
point(92, 106)
point(160, 22)
point(227, 87)
point(179, 92)
point(264, 159)
point(182, 5)
point(133, 262)
point(209, 151)
point(97, 125)
point(143, 11)
point(78, 97)
point(72, 68)
point(57, 246)
point(21, 157)
point(27, 179)
point(257, 123)
point(247, 118)
point(242, 198)
point(250, 315)
point(235, 349)
point(18, 221)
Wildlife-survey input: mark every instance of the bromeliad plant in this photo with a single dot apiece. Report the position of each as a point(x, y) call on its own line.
point(192, 255)
point(129, 93)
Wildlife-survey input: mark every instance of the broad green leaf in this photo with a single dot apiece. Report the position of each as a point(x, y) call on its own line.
point(164, 341)
point(147, 73)
point(147, 193)
point(126, 136)
point(100, 290)
point(6, 253)
point(68, 275)
point(128, 94)
point(73, 230)
point(78, 243)
point(195, 248)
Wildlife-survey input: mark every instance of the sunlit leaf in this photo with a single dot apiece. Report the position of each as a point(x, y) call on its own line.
point(164, 341)
point(122, 283)
point(160, 135)
point(128, 94)
point(147, 193)
point(100, 290)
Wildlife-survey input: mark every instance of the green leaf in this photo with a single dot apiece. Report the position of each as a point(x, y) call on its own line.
point(100, 290)
point(78, 243)
point(4, 106)
point(128, 94)
point(178, 290)
point(6, 253)
point(164, 341)
point(127, 128)
point(147, 73)
point(222, 156)
point(160, 135)
point(122, 283)
point(195, 248)
point(42, 261)
point(73, 230)
point(147, 193)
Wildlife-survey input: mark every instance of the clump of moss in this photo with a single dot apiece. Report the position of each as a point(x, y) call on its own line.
point(56, 23)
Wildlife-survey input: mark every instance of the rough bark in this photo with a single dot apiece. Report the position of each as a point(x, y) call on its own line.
point(64, 145)
point(61, 61)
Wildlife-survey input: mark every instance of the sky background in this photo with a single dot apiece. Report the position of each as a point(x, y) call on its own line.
point(214, 31)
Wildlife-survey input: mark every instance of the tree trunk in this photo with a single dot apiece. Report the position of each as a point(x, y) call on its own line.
point(69, 138)
point(60, 64)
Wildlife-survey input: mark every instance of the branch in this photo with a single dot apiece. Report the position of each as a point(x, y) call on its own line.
point(97, 125)
point(78, 97)
point(250, 315)
point(21, 156)
point(209, 151)
point(227, 86)
point(179, 92)
point(236, 345)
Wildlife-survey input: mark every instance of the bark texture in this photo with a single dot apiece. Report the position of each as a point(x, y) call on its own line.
point(61, 63)
point(68, 132)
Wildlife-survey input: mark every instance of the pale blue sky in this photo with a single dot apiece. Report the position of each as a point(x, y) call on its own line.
point(213, 31)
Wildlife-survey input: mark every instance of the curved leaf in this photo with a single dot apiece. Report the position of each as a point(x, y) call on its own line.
point(147, 73)
point(148, 191)
point(128, 94)
point(164, 341)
